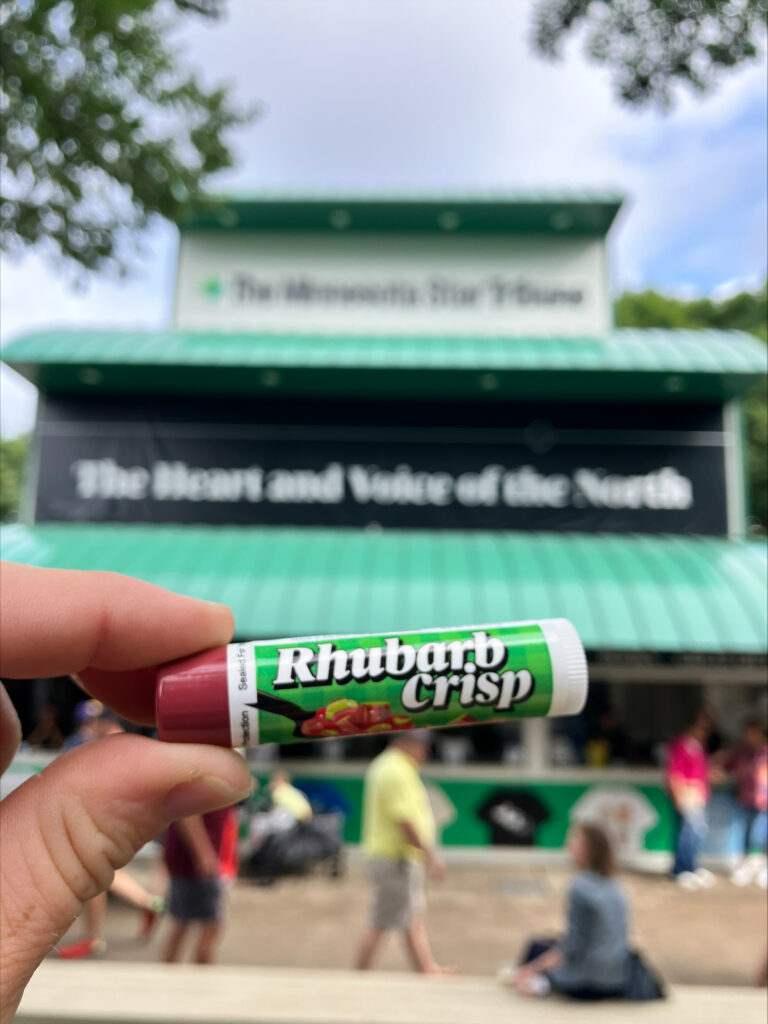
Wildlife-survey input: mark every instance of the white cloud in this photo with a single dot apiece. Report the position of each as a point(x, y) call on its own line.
point(727, 289)
point(34, 296)
point(429, 94)
point(18, 401)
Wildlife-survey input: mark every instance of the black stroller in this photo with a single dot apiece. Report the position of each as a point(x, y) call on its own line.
point(280, 847)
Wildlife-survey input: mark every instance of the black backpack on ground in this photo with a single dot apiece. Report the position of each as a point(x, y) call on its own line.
point(641, 982)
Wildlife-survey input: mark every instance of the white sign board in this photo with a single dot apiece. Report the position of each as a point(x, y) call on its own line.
point(624, 812)
point(381, 284)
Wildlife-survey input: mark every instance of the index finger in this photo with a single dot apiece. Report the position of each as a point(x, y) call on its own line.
point(64, 622)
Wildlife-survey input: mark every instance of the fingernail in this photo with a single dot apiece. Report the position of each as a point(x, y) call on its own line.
point(205, 794)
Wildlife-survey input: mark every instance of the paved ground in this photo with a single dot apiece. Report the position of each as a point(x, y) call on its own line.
point(478, 918)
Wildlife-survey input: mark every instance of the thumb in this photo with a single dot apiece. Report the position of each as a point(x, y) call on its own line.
point(65, 831)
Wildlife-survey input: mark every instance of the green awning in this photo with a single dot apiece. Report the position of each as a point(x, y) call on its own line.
point(690, 600)
point(660, 364)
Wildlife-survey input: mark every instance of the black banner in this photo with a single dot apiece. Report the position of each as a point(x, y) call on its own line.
point(414, 465)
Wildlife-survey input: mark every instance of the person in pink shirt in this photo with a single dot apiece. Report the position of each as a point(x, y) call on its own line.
point(747, 765)
point(689, 775)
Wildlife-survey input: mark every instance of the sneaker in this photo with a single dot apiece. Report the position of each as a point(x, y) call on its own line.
point(537, 985)
point(81, 950)
point(743, 873)
point(688, 881)
point(506, 974)
point(762, 877)
point(706, 878)
point(150, 917)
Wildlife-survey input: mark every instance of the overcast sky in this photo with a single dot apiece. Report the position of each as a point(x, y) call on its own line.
point(445, 94)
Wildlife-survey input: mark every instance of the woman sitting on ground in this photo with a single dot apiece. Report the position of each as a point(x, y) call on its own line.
point(590, 961)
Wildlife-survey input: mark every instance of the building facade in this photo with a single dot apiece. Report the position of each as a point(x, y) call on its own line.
point(379, 414)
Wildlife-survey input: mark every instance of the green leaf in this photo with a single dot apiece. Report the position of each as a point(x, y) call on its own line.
point(746, 311)
point(103, 126)
point(13, 454)
point(651, 46)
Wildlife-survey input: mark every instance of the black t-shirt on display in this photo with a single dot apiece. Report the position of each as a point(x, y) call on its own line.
point(513, 816)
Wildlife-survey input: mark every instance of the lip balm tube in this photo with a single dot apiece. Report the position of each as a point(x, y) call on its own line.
point(289, 691)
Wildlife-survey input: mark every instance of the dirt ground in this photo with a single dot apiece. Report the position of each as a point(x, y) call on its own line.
point(478, 918)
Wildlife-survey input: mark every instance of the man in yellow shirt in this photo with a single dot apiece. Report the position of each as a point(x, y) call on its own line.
point(399, 838)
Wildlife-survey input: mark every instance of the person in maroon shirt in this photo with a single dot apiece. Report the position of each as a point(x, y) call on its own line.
point(193, 848)
point(748, 768)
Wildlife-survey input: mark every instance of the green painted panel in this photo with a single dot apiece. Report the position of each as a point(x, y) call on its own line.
point(640, 815)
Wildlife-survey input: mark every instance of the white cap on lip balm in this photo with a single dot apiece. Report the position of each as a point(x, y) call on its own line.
point(570, 679)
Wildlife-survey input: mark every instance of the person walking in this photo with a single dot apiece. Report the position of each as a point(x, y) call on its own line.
point(94, 917)
point(748, 767)
point(399, 838)
point(193, 856)
point(96, 722)
point(689, 775)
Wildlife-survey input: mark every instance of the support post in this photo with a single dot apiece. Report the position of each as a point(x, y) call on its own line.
point(536, 755)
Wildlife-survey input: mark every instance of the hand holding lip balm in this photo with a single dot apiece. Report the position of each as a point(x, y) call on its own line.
point(287, 691)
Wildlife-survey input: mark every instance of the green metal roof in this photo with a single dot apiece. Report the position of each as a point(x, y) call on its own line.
point(623, 592)
point(672, 364)
point(560, 212)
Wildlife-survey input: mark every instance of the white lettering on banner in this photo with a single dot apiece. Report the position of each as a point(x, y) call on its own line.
point(482, 488)
point(306, 486)
point(492, 486)
point(664, 489)
point(176, 481)
point(526, 488)
point(404, 486)
point(105, 479)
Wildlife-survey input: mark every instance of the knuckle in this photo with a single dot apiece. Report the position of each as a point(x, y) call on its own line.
point(78, 855)
point(101, 847)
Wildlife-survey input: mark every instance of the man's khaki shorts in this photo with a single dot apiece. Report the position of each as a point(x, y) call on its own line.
point(398, 893)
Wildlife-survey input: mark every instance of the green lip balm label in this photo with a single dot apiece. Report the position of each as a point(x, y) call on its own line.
point(319, 687)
